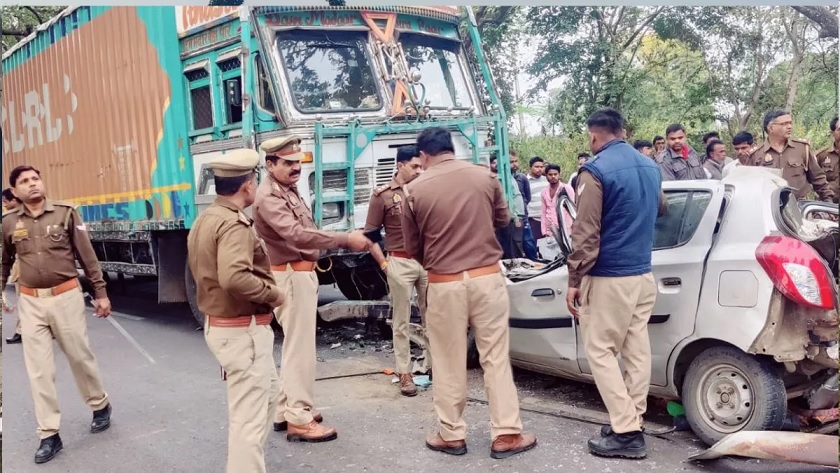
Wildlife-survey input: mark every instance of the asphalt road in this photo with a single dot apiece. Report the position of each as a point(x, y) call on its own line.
point(170, 415)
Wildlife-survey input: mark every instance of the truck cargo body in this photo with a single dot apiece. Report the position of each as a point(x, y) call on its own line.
point(122, 108)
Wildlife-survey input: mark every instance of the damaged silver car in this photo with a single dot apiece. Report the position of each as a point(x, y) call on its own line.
point(746, 313)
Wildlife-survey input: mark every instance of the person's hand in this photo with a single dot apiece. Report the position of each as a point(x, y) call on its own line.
point(357, 241)
point(573, 301)
point(103, 307)
point(6, 307)
point(517, 223)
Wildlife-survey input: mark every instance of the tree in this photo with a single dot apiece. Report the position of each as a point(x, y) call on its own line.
point(825, 18)
point(18, 22)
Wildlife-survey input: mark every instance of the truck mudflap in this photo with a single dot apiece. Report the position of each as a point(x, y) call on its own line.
point(812, 449)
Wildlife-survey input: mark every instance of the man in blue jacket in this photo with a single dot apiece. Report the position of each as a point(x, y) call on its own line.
point(611, 287)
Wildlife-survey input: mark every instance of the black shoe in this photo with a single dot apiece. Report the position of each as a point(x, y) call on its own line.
point(606, 430)
point(629, 445)
point(101, 420)
point(16, 338)
point(48, 449)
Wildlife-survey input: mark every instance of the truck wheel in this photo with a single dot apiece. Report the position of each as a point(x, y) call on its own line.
point(367, 284)
point(189, 283)
point(473, 359)
point(726, 390)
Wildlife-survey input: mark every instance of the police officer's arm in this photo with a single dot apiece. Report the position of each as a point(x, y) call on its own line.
point(412, 238)
point(87, 257)
point(586, 232)
point(280, 218)
point(8, 255)
point(816, 176)
point(236, 264)
point(501, 215)
point(374, 222)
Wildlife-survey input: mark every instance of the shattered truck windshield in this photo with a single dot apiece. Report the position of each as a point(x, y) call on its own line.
point(329, 71)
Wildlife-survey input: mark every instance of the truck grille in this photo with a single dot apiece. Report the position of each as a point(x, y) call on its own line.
point(336, 181)
point(385, 168)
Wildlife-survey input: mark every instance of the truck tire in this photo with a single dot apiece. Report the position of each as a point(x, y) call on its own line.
point(361, 284)
point(726, 390)
point(473, 358)
point(189, 283)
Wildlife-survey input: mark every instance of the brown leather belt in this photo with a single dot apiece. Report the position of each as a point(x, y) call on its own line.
point(68, 285)
point(238, 321)
point(399, 254)
point(295, 266)
point(472, 273)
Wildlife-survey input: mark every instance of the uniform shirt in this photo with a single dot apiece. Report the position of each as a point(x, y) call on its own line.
point(385, 209)
point(537, 184)
point(586, 237)
point(829, 160)
point(676, 168)
point(792, 161)
point(453, 210)
point(46, 251)
point(285, 222)
point(229, 263)
point(15, 274)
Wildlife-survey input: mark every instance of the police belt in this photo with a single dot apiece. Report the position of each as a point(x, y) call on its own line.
point(472, 273)
point(68, 285)
point(239, 320)
point(295, 266)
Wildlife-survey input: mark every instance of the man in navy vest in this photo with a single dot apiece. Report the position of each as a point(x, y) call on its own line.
point(611, 287)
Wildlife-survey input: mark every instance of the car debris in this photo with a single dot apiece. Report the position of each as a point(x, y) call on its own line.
point(798, 447)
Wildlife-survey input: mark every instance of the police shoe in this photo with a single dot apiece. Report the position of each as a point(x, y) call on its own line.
point(407, 386)
point(101, 419)
point(284, 426)
point(311, 432)
point(607, 430)
point(48, 449)
point(454, 447)
point(16, 338)
point(628, 445)
point(510, 444)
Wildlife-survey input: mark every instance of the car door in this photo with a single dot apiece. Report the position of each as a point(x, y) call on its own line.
point(682, 240)
point(543, 334)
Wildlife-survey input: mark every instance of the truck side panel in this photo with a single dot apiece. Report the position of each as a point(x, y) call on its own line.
point(95, 101)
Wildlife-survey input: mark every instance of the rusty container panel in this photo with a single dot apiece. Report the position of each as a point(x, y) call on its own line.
point(95, 102)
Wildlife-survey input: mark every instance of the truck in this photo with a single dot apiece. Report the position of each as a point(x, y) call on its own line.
point(122, 108)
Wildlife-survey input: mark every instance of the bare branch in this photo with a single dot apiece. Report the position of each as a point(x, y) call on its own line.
point(824, 18)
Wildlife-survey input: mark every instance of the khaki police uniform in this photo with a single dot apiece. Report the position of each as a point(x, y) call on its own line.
point(448, 225)
point(405, 274)
point(284, 221)
point(799, 167)
point(829, 161)
point(13, 278)
point(235, 291)
point(51, 303)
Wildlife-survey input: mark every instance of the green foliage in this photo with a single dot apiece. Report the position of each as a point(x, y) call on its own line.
point(554, 149)
point(17, 22)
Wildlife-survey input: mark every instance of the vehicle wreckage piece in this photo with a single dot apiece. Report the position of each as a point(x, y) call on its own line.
point(813, 449)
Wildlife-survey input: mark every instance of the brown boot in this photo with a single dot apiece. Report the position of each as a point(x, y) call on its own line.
point(510, 444)
point(437, 443)
point(311, 432)
point(284, 426)
point(407, 386)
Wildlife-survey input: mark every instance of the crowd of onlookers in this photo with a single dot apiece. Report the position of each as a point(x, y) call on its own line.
point(537, 191)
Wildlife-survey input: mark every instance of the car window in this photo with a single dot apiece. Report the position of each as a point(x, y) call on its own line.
point(685, 211)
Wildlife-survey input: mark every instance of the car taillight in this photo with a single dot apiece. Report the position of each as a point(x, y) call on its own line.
point(797, 270)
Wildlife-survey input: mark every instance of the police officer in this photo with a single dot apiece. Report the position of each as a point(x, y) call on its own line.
point(829, 160)
point(236, 292)
point(284, 221)
point(44, 237)
point(404, 274)
point(679, 161)
point(11, 203)
point(611, 287)
point(794, 157)
point(448, 226)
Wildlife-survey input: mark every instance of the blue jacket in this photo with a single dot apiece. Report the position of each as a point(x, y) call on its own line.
point(631, 185)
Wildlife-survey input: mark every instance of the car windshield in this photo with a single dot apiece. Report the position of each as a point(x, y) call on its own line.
point(329, 71)
point(441, 70)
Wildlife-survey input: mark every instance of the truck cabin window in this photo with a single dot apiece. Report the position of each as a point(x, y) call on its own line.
point(441, 70)
point(329, 71)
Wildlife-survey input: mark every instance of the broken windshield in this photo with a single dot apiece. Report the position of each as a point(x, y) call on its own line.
point(329, 71)
point(442, 72)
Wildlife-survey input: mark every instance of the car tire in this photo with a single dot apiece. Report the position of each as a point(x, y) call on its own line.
point(361, 284)
point(726, 390)
point(473, 358)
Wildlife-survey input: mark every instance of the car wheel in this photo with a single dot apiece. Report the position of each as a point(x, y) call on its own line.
point(361, 284)
point(726, 390)
point(473, 359)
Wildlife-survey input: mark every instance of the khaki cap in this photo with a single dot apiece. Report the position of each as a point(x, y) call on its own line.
point(287, 148)
point(239, 162)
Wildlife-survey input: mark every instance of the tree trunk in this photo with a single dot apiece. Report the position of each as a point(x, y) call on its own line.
point(824, 18)
point(798, 46)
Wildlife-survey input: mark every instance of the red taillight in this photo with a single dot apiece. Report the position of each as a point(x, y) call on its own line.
point(797, 270)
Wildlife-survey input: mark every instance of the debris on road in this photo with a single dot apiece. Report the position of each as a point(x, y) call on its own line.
point(813, 449)
point(335, 345)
